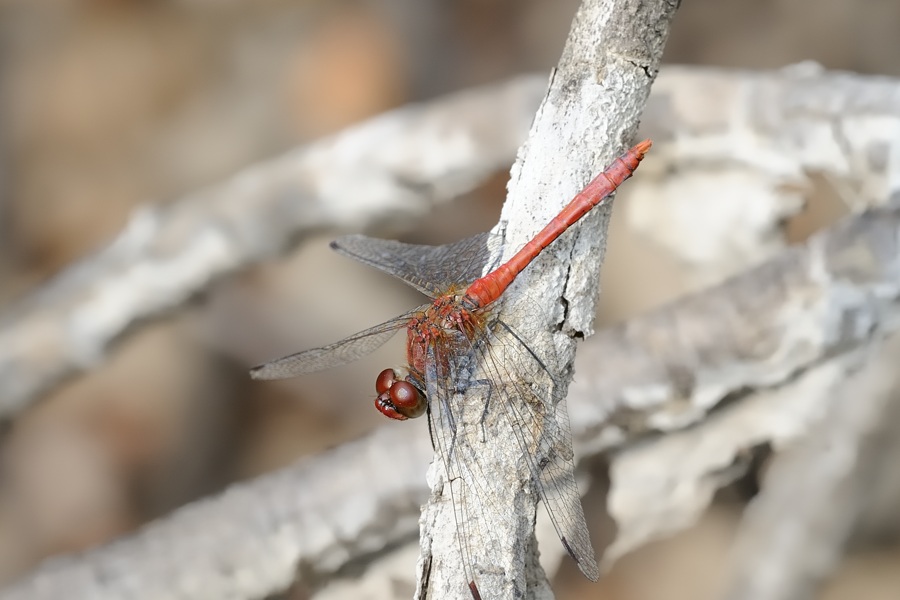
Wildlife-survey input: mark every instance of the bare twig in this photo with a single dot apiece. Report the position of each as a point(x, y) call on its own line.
point(401, 162)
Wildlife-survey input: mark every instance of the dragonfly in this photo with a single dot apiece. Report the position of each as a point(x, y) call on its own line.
point(456, 342)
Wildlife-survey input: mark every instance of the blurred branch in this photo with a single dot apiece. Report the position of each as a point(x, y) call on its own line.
point(795, 531)
point(765, 341)
point(774, 340)
point(730, 131)
point(403, 162)
point(253, 540)
point(739, 154)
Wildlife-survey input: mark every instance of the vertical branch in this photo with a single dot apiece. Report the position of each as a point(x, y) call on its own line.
point(588, 116)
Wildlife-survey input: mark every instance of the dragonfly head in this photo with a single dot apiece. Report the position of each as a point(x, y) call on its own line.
point(398, 398)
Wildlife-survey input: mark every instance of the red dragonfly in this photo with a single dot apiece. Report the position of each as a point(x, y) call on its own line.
point(456, 342)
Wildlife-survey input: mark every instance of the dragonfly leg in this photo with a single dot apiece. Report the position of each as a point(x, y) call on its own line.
point(431, 427)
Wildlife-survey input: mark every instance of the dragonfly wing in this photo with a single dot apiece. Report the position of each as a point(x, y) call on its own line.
point(455, 451)
point(347, 350)
point(430, 269)
point(526, 392)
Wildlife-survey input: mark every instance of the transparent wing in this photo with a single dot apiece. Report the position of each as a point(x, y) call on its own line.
point(339, 353)
point(454, 449)
point(430, 269)
point(526, 393)
point(521, 393)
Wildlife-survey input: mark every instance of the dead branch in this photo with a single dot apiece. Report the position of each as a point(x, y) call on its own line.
point(253, 540)
point(753, 339)
point(737, 153)
point(795, 532)
point(589, 116)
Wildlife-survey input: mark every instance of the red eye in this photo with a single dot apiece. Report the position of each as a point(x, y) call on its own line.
point(385, 406)
point(408, 400)
point(385, 380)
point(404, 394)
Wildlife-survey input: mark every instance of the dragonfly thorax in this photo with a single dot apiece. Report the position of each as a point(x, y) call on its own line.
point(443, 324)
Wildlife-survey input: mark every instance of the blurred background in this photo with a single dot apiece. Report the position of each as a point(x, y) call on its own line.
point(109, 104)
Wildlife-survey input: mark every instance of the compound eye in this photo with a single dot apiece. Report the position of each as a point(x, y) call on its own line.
point(407, 399)
point(385, 380)
point(385, 406)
